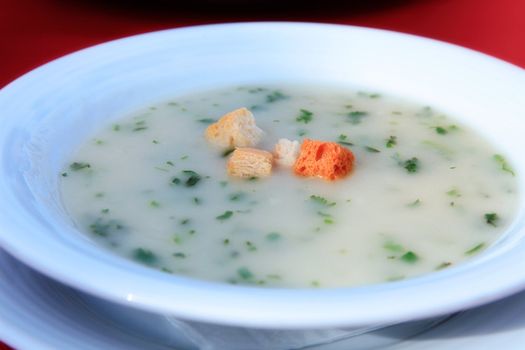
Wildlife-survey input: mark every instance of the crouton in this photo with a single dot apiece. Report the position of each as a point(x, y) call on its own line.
point(234, 129)
point(327, 160)
point(250, 162)
point(286, 152)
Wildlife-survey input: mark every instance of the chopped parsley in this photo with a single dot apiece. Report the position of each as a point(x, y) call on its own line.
point(411, 165)
point(391, 142)
point(244, 273)
point(393, 247)
point(193, 178)
point(236, 196)
point(276, 96)
point(224, 216)
point(154, 204)
point(179, 255)
point(355, 117)
point(196, 200)
point(503, 163)
point(441, 130)
point(273, 236)
point(454, 193)
point(409, 257)
point(475, 249)
point(372, 149)
point(227, 152)
point(492, 219)
point(250, 246)
point(144, 256)
point(322, 201)
point(76, 166)
point(343, 140)
point(443, 265)
point(301, 132)
point(104, 228)
point(206, 120)
point(414, 204)
point(305, 116)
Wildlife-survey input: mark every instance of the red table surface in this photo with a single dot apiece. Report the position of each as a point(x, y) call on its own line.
point(33, 32)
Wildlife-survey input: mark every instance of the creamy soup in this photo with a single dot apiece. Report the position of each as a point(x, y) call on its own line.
point(425, 194)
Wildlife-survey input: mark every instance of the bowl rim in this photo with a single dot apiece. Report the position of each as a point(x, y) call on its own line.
point(445, 292)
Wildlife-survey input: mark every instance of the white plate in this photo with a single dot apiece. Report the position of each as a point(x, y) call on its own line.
point(46, 113)
point(39, 313)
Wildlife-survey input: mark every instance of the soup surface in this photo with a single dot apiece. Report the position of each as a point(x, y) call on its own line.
point(426, 192)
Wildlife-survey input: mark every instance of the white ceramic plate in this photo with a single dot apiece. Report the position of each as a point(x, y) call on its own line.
point(50, 109)
point(37, 313)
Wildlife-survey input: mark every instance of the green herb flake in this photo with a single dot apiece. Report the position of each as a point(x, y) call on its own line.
point(315, 284)
point(503, 163)
point(116, 127)
point(206, 120)
point(104, 228)
point(301, 132)
point(393, 247)
point(372, 149)
point(273, 236)
point(343, 140)
point(226, 241)
point(179, 255)
point(227, 152)
point(175, 181)
point(154, 204)
point(155, 142)
point(454, 193)
point(475, 249)
point(193, 178)
point(409, 257)
point(99, 194)
point(144, 256)
point(411, 165)
point(441, 130)
point(250, 246)
point(244, 273)
point(184, 221)
point(443, 265)
point(305, 116)
point(196, 200)
point(76, 166)
point(328, 220)
point(391, 142)
point(414, 204)
point(224, 216)
point(276, 96)
point(64, 174)
point(355, 117)
point(140, 128)
point(236, 196)
point(492, 219)
point(322, 201)
point(105, 211)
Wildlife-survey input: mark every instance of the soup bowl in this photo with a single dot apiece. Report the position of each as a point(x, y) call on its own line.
point(50, 110)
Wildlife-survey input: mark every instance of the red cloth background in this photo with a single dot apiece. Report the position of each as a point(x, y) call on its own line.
point(33, 32)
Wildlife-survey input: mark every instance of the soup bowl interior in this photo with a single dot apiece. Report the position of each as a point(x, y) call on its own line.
point(49, 112)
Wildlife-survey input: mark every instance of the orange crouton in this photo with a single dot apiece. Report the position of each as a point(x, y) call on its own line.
point(327, 160)
point(250, 162)
point(234, 129)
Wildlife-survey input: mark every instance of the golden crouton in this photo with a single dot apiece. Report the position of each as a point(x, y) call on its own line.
point(250, 162)
point(234, 129)
point(286, 152)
